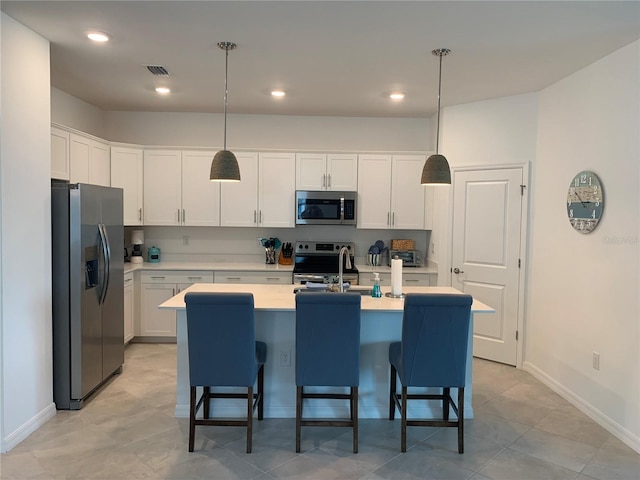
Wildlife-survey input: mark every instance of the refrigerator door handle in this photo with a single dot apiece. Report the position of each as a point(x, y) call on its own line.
point(106, 250)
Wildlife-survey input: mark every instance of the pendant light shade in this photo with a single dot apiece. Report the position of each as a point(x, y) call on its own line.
point(436, 168)
point(224, 167)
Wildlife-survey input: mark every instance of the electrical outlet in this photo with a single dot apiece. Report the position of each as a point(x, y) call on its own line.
point(285, 358)
point(185, 240)
point(596, 361)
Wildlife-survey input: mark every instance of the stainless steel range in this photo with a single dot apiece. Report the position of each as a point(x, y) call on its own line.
point(318, 262)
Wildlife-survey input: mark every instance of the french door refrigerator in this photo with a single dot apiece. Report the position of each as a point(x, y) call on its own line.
point(88, 289)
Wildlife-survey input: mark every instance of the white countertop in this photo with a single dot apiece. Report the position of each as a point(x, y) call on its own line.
point(254, 267)
point(215, 266)
point(282, 298)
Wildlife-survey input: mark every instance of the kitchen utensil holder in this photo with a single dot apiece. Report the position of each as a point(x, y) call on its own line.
point(270, 255)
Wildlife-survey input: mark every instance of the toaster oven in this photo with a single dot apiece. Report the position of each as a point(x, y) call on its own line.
point(410, 258)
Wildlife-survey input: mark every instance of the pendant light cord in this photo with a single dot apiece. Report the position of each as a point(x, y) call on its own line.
point(226, 72)
point(439, 92)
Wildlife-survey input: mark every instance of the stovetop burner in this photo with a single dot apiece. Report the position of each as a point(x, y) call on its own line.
point(322, 257)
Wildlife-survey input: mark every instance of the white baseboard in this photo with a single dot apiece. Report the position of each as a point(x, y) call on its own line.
point(26, 429)
point(589, 410)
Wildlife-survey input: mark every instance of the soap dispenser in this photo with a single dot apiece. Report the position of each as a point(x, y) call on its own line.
point(375, 291)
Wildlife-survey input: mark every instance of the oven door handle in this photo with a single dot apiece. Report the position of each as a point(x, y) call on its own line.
point(302, 278)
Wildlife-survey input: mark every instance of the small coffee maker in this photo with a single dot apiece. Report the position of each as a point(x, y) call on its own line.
point(137, 239)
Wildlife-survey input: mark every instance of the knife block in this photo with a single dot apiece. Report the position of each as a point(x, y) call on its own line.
point(285, 259)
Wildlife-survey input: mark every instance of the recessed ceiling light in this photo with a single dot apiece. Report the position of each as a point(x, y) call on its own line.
point(163, 90)
point(278, 93)
point(98, 36)
point(396, 95)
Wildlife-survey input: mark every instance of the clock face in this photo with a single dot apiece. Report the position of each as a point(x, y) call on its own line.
point(585, 202)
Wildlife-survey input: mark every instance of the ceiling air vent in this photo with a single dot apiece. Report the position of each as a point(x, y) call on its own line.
point(157, 70)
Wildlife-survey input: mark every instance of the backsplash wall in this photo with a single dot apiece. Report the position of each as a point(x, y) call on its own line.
point(228, 244)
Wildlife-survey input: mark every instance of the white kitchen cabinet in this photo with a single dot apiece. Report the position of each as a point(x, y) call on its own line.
point(200, 196)
point(177, 189)
point(155, 288)
point(265, 195)
point(79, 157)
point(319, 171)
point(408, 279)
point(89, 161)
point(129, 307)
point(126, 173)
point(100, 164)
point(278, 278)
point(390, 194)
point(162, 187)
point(59, 153)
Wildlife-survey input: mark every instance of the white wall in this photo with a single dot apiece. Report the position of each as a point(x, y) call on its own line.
point(492, 132)
point(269, 131)
point(25, 317)
point(583, 295)
point(72, 112)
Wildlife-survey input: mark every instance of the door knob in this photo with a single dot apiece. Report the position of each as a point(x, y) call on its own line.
point(457, 270)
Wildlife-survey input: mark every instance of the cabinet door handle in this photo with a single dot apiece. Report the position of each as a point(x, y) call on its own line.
point(233, 278)
point(128, 280)
point(173, 290)
point(393, 218)
point(329, 181)
point(272, 278)
point(260, 216)
point(184, 218)
point(255, 217)
point(324, 180)
point(194, 278)
point(178, 215)
point(158, 278)
point(410, 280)
point(388, 217)
point(140, 214)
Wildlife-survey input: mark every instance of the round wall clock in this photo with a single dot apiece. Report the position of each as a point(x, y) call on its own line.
point(585, 202)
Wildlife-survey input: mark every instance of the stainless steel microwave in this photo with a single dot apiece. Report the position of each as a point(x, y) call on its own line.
point(325, 208)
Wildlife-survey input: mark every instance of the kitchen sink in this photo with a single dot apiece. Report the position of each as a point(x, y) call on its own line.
point(361, 291)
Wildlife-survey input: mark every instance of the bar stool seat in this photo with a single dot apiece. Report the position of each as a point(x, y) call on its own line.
point(432, 353)
point(327, 354)
point(223, 352)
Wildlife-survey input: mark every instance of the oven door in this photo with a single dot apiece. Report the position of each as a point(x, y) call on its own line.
point(303, 278)
point(325, 208)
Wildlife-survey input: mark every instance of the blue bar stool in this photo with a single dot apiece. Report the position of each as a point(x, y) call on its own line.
point(223, 352)
point(433, 353)
point(328, 354)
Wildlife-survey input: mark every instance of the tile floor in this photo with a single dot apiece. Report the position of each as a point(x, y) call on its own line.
point(522, 430)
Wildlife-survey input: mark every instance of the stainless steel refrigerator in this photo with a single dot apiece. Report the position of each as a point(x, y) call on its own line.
point(88, 289)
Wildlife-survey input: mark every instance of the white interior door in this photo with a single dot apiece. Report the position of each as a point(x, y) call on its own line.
point(487, 212)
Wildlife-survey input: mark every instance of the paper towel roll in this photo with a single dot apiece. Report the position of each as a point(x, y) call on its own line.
point(396, 276)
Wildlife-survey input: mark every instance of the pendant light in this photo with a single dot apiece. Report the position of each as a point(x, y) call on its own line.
point(224, 167)
point(436, 168)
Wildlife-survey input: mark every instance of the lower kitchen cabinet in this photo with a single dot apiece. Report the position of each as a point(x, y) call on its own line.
point(157, 287)
point(278, 278)
point(129, 307)
point(408, 279)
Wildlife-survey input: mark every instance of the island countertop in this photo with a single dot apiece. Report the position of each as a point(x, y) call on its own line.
point(281, 297)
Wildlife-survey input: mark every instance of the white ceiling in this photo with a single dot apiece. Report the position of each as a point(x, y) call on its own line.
point(333, 58)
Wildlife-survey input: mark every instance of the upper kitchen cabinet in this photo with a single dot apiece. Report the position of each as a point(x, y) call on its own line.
point(89, 161)
point(265, 195)
point(319, 171)
point(126, 173)
point(162, 187)
point(200, 196)
point(390, 194)
point(177, 189)
point(59, 154)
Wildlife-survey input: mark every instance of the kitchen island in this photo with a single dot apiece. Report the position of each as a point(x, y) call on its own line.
point(381, 324)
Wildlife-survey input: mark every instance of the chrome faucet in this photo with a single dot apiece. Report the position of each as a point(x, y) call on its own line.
point(343, 251)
